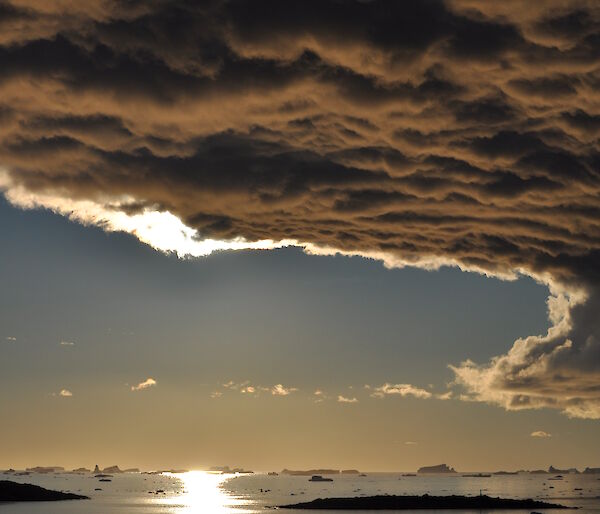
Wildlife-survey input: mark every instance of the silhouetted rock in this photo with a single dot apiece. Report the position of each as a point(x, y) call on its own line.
point(80, 470)
point(506, 472)
point(538, 472)
point(440, 468)
point(13, 492)
point(421, 502)
point(592, 471)
point(97, 469)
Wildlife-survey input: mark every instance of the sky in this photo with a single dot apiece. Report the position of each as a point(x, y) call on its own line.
point(321, 233)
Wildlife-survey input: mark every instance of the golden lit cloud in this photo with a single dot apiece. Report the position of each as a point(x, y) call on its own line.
point(279, 390)
point(149, 382)
point(540, 434)
point(401, 390)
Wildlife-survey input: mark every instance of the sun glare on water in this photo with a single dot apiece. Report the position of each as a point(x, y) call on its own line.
point(204, 492)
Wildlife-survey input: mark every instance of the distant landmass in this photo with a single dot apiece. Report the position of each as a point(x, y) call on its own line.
point(14, 492)
point(310, 472)
point(593, 471)
point(227, 469)
point(440, 468)
point(552, 469)
point(421, 503)
point(46, 469)
point(112, 470)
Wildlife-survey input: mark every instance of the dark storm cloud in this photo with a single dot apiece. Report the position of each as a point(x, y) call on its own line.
point(418, 132)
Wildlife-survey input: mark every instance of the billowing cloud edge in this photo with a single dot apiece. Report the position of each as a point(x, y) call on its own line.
point(520, 379)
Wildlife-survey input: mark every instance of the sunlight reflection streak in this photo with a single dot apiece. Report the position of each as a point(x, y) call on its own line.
point(204, 492)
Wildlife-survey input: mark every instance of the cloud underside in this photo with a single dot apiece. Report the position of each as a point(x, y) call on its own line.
point(418, 133)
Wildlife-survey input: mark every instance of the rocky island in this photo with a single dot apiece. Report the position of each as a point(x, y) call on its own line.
point(14, 492)
point(422, 503)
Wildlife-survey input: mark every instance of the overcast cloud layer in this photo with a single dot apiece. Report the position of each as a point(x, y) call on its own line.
point(422, 132)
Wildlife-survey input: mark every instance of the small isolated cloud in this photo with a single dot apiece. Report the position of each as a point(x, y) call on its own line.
point(400, 389)
point(65, 393)
point(248, 389)
point(216, 394)
point(343, 399)
point(410, 443)
point(280, 390)
point(319, 396)
point(541, 434)
point(149, 382)
point(235, 386)
point(67, 343)
point(10, 338)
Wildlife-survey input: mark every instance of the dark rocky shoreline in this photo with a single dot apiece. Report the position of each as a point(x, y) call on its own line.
point(421, 503)
point(15, 492)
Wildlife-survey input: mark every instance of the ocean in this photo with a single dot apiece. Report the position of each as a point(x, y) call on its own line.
point(202, 492)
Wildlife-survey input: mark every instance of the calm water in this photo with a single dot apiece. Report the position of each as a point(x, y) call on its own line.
point(199, 492)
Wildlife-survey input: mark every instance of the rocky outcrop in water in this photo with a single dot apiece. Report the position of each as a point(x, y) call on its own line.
point(14, 492)
point(422, 503)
